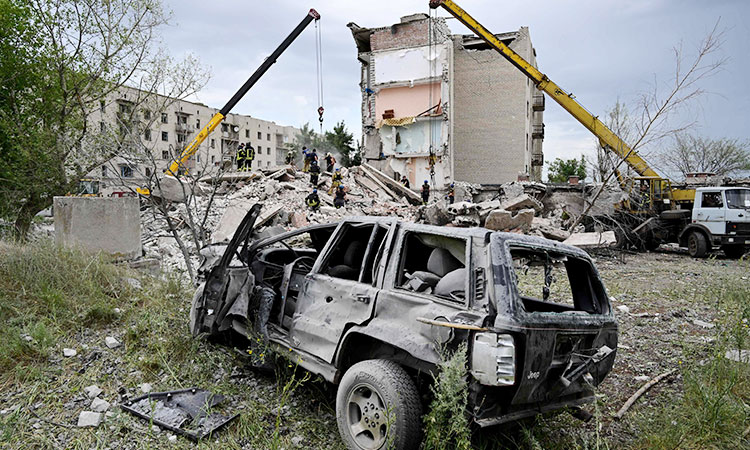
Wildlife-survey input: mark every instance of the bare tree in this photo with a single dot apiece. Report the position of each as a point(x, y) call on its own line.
point(656, 108)
point(691, 153)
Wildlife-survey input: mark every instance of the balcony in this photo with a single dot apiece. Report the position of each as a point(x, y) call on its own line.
point(538, 102)
point(183, 128)
point(537, 131)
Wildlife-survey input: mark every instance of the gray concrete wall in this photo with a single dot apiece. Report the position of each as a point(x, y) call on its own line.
point(491, 114)
point(108, 224)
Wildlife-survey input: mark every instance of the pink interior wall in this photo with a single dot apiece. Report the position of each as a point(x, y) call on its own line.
point(406, 101)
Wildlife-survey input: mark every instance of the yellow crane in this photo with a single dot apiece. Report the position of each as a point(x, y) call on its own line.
point(660, 188)
point(177, 167)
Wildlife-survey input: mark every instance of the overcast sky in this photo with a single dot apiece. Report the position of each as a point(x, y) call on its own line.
point(600, 50)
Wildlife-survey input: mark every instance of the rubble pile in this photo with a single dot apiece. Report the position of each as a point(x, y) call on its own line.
point(517, 207)
point(282, 193)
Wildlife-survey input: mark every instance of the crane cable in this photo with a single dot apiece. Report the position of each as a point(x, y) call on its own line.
point(319, 71)
point(431, 56)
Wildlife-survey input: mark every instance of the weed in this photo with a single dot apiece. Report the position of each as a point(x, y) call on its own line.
point(447, 424)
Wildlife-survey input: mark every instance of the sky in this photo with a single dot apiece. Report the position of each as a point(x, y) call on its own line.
point(602, 51)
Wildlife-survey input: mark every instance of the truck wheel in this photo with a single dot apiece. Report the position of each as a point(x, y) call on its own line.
point(377, 407)
point(697, 245)
point(734, 251)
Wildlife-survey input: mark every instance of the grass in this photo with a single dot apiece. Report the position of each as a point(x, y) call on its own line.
point(53, 298)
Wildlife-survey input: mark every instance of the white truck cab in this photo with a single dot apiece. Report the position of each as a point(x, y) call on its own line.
point(720, 218)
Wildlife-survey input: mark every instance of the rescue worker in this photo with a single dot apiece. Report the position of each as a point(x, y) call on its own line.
point(405, 181)
point(250, 157)
point(314, 173)
point(305, 160)
point(241, 155)
point(425, 192)
point(340, 199)
point(314, 156)
point(451, 194)
point(336, 180)
point(330, 162)
point(312, 200)
point(290, 158)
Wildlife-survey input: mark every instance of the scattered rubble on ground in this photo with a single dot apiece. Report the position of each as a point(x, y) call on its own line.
point(519, 207)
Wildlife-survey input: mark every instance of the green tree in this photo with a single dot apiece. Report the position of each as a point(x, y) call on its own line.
point(58, 60)
point(560, 170)
point(341, 140)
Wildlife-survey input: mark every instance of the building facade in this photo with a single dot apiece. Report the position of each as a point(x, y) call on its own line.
point(444, 107)
point(148, 131)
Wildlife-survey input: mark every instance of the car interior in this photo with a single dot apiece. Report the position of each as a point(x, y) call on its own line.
point(434, 264)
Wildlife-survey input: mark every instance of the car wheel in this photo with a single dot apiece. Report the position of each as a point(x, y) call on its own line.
point(377, 407)
point(733, 251)
point(697, 245)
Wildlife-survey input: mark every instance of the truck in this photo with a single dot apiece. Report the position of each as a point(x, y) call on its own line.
point(373, 304)
point(657, 210)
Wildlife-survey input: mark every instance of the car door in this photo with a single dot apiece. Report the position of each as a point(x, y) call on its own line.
point(330, 304)
point(711, 211)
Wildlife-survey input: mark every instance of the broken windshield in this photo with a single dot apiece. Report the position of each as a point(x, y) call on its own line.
point(738, 198)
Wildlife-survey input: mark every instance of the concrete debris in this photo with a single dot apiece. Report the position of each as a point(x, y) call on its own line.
point(111, 342)
point(411, 196)
point(623, 309)
point(523, 201)
point(145, 388)
point(92, 391)
point(69, 352)
point(738, 355)
point(502, 220)
point(90, 419)
point(99, 405)
point(592, 239)
point(703, 324)
point(282, 193)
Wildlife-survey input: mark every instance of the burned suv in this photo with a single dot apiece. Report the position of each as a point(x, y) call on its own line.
point(367, 303)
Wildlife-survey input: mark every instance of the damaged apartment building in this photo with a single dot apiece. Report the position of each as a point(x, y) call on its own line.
point(446, 108)
point(151, 130)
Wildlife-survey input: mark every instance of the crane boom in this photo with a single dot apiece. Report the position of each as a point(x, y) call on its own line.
point(192, 147)
point(606, 136)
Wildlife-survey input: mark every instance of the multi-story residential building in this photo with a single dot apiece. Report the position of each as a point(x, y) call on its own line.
point(147, 132)
point(447, 107)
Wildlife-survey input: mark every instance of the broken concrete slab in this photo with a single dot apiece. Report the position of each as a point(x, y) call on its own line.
point(463, 208)
point(413, 197)
point(298, 219)
point(435, 213)
point(90, 419)
point(738, 355)
point(99, 405)
point(99, 224)
point(523, 201)
point(111, 342)
point(592, 239)
point(502, 220)
point(92, 391)
point(69, 352)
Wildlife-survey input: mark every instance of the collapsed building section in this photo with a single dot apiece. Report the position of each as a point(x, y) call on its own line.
point(446, 108)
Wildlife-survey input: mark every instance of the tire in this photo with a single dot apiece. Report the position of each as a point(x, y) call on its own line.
point(734, 251)
point(378, 407)
point(697, 245)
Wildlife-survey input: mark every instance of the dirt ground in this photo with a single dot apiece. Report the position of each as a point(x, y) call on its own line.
point(663, 302)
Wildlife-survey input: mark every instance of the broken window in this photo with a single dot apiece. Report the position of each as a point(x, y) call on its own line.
point(165, 154)
point(346, 257)
point(164, 136)
point(164, 118)
point(126, 172)
point(147, 134)
point(434, 264)
point(547, 281)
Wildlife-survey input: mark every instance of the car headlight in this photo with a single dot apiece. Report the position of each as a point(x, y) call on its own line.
point(493, 359)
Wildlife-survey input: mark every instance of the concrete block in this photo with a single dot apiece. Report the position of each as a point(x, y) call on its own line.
point(592, 240)
point(108, 224)
point(90, 419)
point(99, 405)
point(502, 220)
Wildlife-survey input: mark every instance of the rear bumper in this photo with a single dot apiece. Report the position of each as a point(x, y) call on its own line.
point(532, 410)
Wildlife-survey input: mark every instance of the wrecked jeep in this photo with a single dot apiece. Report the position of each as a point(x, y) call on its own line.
point(368, 304)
